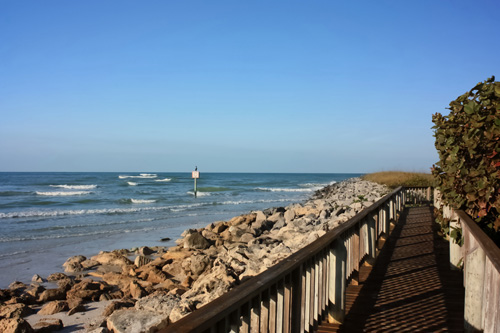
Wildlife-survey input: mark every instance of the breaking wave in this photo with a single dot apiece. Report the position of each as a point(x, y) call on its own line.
point(63, 194)
point(75, 187)
point(142, 175)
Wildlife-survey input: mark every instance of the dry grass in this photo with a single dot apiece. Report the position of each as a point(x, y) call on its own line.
point(399, 178)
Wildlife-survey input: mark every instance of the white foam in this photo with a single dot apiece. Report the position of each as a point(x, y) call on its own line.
point(163, 180)
point(63, 194)
point(141, 201)
point(132, 183)
point(149, 175)
point(199, 194)
point(275, 189)
point(142, 175)
point(75, 187)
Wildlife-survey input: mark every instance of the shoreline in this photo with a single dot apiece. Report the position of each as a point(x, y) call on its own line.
point(162, 285)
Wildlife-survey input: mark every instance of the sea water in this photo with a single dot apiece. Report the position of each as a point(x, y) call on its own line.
point(46, 218)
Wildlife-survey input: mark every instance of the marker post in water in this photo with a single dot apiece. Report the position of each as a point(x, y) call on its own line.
point(195, 175)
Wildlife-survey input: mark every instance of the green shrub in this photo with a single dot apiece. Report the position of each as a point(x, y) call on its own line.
point(468, 143)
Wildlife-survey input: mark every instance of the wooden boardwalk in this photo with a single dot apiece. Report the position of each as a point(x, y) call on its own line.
point(410, 288)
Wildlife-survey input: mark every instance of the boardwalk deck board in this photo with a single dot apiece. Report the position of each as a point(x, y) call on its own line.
point(410, 288)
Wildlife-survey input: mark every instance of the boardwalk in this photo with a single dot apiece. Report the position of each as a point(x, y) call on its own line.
point(410, 288)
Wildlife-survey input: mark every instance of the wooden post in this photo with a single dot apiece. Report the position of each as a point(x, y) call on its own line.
point(195, 174)
point(474, 278)
point(338, 256)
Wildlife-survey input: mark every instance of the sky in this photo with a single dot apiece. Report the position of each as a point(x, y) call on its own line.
point(235, 86)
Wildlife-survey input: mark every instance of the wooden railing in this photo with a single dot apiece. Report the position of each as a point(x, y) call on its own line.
point(480, 258)
point(308, 286)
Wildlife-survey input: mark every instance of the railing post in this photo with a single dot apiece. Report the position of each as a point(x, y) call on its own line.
point(455, 249)
point(337, 281)
point(474, 278)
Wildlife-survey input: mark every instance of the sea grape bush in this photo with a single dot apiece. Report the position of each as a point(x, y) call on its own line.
point(468, 144)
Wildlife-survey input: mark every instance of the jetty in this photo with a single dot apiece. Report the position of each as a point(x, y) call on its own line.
point(385, 270)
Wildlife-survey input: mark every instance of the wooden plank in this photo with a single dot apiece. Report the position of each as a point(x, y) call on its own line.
point(273, 308)
point(287, 304)
point(245, 318)
point(280, 307)
point(307, 308)
point(313, 293)
point(491, 301)
point(255, 315)
point(264, 312)
point(296, 315)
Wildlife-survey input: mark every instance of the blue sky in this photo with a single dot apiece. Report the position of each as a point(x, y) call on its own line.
point(235, 86)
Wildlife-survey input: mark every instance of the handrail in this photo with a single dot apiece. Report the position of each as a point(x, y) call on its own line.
point(295, 294)
point(481, 263)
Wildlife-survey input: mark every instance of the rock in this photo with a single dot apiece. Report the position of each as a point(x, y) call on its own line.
point(259, 217)
point(242, 219)
point(196, 241)
point(119, 280)
point(16, 285)
point(136, 291)
point(247, 237)
point(151, 274)
point(219, 227)
point(117, 305)
point(53, 307)
point(17, 310)
point(15, 325)
point(74, 264)
point(65, 284)
point(112, 258)
point(35, 290)
point(132, 320)
point(74, 302)
point(89, 263)
point(275, 217)
point(76, 309)
point(145, 251)
point(86, 290)
point(37, 278)
point(199, 263)
point(56, 277)
point(52, 295)
point(142, 260)
point(212, 284)
point(289, 215)
point(158, 302)
point(166, 239)
point(47, 325)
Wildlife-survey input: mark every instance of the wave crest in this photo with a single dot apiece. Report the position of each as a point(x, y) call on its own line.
point(75, 187)
point(63, 194)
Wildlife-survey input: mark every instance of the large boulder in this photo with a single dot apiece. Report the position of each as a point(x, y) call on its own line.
point(17, 310)
point(158, 302)
point(112, 258)
point(53, 307)
point(117, 305)
point(52, 295)
point(196, 241)
point(133, 320)
point(15, 325)
point(85, 289)
point(48, 325)
point(74, 264)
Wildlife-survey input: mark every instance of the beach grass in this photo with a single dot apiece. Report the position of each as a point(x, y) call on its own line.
point(394, 179)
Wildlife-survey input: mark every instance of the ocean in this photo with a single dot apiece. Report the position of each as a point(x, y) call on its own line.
point(46, 218)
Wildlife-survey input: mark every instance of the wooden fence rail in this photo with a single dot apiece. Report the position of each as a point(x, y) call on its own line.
point(309, 286)
point(480, 259)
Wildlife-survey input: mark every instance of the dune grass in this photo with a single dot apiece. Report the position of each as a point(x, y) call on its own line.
point(394, 179)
